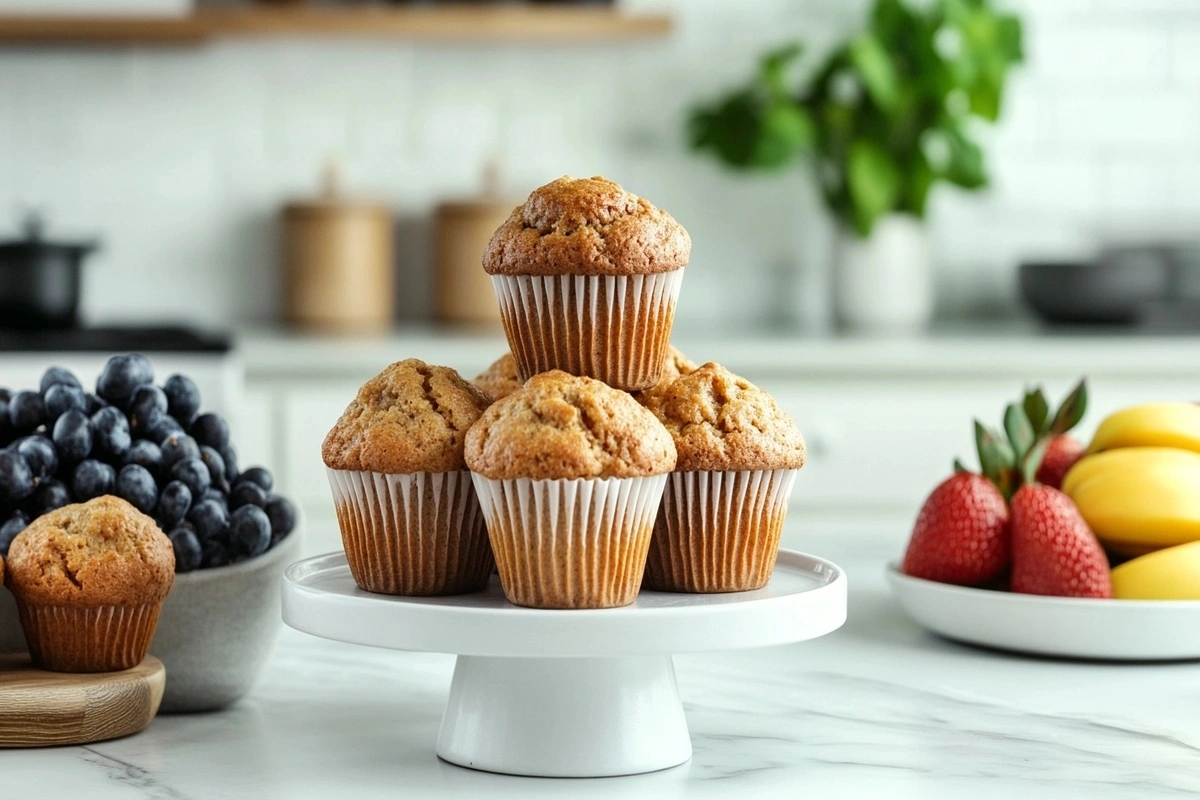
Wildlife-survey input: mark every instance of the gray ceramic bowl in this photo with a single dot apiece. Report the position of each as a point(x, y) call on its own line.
point(218, 629)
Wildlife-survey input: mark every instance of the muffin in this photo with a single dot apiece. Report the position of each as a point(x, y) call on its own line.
point(675, 366)
point(500, 379)
point(407, 510)
point(587, 276)
point(570, 473)
point(89, 580)
point(723, 510)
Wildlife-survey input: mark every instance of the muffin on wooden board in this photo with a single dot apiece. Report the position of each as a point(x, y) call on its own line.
point(89, 580)
point(723, 510)
point(500, 379)
point(408, 514)
point(570, 473)
point(587, 276)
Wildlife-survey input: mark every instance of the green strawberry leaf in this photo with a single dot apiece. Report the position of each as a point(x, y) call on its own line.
point(996, 459)
point(1071, 411)
point(1037, 409)
point(959, 467)
point(1020, 432)
point(1033, 460)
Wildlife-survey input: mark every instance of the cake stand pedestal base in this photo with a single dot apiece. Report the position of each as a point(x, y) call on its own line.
point(564, 717)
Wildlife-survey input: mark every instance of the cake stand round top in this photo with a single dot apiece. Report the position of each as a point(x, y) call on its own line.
point(805, 598)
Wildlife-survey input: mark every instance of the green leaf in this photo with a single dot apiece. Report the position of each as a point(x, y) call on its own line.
point(1071, 411)
point(959, 467)
point(874, 182)
point(1009, 35)
point(773, 68)
point(996, 459)
point(965, 165)
point(786, 130)
point(1020, 432)
point(1037, 410)
point(921, 178)
point(870, 59)
point(1033, 460)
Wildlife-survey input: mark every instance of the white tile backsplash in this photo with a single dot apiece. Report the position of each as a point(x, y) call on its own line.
point(180, 158)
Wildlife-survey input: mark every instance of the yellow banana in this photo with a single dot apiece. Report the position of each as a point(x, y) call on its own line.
point(1143, 507)
point(1128, 458)
point(1171, 574)
point(1150, 425)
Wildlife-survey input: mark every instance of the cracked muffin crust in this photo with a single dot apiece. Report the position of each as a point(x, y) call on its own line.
point(411, 417)
point(500, 379)
point(99, 553)
point(720, 421)
point(586, 226)
point(563, 426)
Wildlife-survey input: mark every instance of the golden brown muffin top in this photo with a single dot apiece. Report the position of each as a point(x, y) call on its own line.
point(412, 417)
point(720, 421)
point(500, 379)
point(563, 426)
point(586, 226)
point(99, 553)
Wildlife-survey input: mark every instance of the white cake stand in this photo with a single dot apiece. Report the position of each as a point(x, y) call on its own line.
point(566, 693)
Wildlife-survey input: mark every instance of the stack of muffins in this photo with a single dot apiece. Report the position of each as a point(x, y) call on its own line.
point(591, 461)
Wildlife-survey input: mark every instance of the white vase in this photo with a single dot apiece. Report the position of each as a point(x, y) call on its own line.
point(884, 284)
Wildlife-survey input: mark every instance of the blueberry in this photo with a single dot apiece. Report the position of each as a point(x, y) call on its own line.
point(173, 503)
point(183, 398)
point(146, 454)
point(51, 494)
point(136, 484)
point(6, 395)
point(250, 530)
point(188, 553)
point(146, 403)
point(229, 456)
point(194, 473)
point(159, 427)
point(94, 404)
point(60, 398)
point(26, 411)
point(9, 530)
point(217, 496)
point(6, 428)
point(210, 429)
point(123, 374)
point(40, 453)
point(58, 376)
point(282, 514)
point(92, 478)
point(247, 493)
point(215, 554)
point(216, 465)
point(16, 476)
point(177, 447)
point(72, 435)
point(210, 520)
point(260, 476)
point(110, 434)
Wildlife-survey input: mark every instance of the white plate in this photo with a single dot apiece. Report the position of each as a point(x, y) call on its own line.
point(1117, 630)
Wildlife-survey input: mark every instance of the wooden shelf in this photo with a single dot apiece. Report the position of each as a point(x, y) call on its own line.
point(533, 23)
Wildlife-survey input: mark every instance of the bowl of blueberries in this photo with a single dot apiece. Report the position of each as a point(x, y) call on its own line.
point(153, 446)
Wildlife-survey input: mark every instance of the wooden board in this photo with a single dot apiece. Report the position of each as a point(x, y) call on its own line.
point(39, 708)
point(484, 22)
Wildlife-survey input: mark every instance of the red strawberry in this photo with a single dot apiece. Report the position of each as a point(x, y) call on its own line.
point(1061, 454)
point(961, 534)
point(1054, 551)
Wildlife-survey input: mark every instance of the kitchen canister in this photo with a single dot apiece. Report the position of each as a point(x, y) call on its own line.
point(461, 230)
point(338, 262)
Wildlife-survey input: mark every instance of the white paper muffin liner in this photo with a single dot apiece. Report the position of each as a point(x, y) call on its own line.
point(577, 543)
point(615, 328)
point(88, 638)
point(718, 531)
point(415, 534)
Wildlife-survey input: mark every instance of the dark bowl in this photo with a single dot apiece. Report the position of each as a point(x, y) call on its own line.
point(1109, 291)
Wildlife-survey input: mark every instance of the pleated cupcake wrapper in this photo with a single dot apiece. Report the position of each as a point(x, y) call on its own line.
point(718, 531)
point(577, 543)
point(612, 327)
point(87, 638)
point(415, 534)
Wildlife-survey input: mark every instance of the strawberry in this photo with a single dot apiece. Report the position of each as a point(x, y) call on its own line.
point(1062, 452)
point(961, 534)
point(1054, 552)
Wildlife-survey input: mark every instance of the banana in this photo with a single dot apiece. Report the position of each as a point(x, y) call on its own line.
point(1171, 574)
point(1150, 425)
point(1141, 506)
point(1128, 458)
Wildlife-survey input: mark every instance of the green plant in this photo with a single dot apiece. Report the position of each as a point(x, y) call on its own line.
point(886, 116)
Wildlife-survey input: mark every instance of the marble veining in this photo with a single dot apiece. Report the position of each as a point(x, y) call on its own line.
point(878, 709)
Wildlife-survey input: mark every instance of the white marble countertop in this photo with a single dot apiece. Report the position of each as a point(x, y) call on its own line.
point(878, 709)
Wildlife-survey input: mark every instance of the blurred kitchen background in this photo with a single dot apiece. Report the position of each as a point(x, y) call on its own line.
point(294, 196)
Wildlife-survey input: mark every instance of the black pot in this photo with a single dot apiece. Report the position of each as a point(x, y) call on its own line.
point(39, 281)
